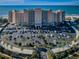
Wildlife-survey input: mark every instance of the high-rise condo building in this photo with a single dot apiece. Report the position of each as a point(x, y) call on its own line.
point(26, 17)
point(60, 16)
point(44, 17)
point(36, 17)
point(51, 17)
point(12, 16)
point(18, 17)
point(31, 18)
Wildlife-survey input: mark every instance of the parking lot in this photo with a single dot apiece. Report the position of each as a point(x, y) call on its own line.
point(25, 37)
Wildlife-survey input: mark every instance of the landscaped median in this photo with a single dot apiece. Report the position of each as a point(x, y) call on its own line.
point(50, 55)
point(4, 56)
point(16, 49)
point(65, 53)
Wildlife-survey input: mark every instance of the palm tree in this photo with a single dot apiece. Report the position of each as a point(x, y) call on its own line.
point(11, 47)
point(28, 38)
point(23, 40)
point(50, 55)
point(21, 48)
point(35, 55)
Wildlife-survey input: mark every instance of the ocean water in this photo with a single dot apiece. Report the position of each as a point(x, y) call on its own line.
point(69, 10)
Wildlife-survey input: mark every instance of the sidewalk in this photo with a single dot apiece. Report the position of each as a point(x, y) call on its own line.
point(15, 49)
point(56, 50)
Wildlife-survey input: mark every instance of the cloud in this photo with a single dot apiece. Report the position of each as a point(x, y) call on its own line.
point(39, 2)
point(11, 0)
point(75, 3)
point(53, 3)
point(2, 2)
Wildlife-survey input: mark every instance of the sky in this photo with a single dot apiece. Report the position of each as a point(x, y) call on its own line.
point(39, 2)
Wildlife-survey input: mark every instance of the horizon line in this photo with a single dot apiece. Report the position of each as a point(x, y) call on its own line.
point(35, 5)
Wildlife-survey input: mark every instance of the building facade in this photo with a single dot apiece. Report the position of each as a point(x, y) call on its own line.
point(51, 17)
point(36, 17)
point(12, 16)
point(60, 16)
point(26, 18)
point(44, 18)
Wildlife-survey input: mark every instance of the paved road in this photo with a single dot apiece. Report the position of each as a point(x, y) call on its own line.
point(44, 56)
point(15, 49)
point(77, 32)
point(56, 50)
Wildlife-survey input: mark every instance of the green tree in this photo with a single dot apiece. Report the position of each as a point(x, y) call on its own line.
point(35, 54)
